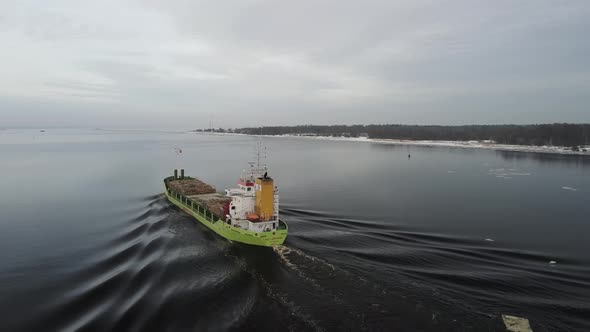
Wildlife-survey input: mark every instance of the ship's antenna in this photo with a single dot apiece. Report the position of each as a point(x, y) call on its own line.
point(258, 149)
point(260, 169)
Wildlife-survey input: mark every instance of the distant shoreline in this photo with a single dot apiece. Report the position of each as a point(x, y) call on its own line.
point(431, 143)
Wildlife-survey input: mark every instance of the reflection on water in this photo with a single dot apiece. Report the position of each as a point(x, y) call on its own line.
point(565, 160)
point(449, 239)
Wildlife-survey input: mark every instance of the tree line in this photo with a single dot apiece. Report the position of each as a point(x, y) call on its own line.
point(556, 134)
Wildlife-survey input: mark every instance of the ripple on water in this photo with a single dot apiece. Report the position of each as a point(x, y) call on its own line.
point(461, 274)
point(162, 270)
point(142, 268)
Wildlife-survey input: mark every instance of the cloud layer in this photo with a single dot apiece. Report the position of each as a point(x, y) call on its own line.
point(244, 63)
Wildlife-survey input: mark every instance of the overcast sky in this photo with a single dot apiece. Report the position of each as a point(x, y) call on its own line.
point(270, 62)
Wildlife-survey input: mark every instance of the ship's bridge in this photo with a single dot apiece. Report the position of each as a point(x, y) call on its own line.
point(245, 188)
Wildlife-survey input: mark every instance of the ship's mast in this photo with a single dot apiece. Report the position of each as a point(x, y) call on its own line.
point(260, 156)
point(258, 152)
point(258, 149)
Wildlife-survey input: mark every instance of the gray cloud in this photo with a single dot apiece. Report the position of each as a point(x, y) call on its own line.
point(244, 63)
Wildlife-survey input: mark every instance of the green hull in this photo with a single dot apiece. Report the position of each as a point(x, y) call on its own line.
point(266, 239)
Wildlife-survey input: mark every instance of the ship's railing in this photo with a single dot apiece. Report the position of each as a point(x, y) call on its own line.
point(193, 206)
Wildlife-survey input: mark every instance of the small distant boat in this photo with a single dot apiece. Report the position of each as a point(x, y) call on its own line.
point(247, 214)
point(42, 130)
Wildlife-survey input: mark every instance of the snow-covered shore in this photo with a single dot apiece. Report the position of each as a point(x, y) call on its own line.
point(455, 144)
point(492, 146)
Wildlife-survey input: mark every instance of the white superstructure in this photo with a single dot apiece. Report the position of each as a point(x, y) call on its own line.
point(254, 203)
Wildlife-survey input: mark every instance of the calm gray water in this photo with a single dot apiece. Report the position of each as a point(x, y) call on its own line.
point(447, 240)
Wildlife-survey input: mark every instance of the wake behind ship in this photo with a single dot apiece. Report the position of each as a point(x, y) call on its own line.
point(247, 214)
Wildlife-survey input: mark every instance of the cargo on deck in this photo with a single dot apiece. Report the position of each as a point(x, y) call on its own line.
point(216, 203)
point(190, 186)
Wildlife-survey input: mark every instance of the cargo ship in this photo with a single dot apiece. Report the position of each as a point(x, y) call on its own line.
point(248, 213)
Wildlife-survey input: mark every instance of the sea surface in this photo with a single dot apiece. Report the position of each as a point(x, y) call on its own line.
point(381, 237)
